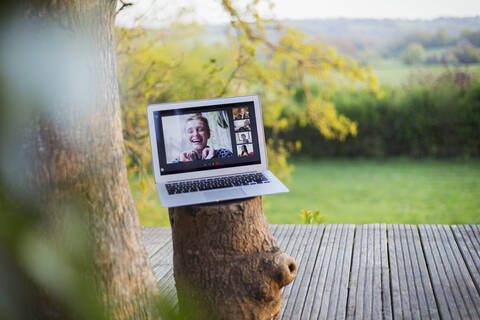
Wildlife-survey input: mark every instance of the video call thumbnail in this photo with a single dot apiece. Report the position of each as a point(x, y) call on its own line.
point(242, 125)
point(243, 137)
point(240, 113)
point(244, 150)
point(197, 136)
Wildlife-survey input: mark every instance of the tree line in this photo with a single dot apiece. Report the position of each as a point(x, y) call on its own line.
point(464, 49)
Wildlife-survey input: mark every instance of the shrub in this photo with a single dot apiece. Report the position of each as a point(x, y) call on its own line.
point(312, 217)
point(467, 54)
point(413, 54)
point(439, 118)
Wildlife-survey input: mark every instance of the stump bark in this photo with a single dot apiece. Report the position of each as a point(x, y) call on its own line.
point(226, 261)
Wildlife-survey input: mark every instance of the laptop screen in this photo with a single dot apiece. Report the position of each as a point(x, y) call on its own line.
point(208, 137)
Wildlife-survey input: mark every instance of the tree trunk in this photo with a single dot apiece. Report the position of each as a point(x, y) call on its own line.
point(74, 145)
point(226, 262)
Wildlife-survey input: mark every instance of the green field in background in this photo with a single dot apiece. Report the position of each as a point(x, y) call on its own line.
point(361, 191)
point(394, 72)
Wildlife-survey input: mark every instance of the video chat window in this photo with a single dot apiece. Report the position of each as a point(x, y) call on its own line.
point(243, 131)
point(203, 138)
point(197, 136)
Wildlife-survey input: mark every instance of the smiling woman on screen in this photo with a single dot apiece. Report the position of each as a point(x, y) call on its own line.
point(197, 133)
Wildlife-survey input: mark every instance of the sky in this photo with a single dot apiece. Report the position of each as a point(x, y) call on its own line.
point(158, 12)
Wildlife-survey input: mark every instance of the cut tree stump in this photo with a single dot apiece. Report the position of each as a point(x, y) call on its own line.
point(226, 261)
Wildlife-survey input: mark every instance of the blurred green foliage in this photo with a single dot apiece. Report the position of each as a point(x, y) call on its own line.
point(431, 116)
point(41, 277)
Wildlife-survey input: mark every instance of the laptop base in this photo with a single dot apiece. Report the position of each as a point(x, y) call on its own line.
point(217, 195)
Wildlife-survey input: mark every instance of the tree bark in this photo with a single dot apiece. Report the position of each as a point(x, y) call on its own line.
point(226, 261)
point(75, 149)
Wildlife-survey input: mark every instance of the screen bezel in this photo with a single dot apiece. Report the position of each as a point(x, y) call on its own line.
point(211, 172)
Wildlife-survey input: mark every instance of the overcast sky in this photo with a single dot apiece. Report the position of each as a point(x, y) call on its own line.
point(210, 11)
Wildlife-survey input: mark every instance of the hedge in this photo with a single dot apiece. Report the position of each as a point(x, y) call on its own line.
point(433, 120)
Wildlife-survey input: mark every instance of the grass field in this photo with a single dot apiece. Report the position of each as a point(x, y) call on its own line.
point(394, 72)
point(390, 191)
point(362, 191)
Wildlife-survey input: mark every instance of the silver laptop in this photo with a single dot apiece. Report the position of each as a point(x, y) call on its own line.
point(209, 150)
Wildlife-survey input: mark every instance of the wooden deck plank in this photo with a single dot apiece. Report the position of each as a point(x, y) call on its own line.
point(283, 235)
point(356, 286)
point(300, 236)
point(337, 300)
point(286, 240)
point(316, 279)
point(381, 286)
point(159, 249)
point(437, 274)
point(366, 298)
point(470, 295)
point(454, 288)
point(304, 284)
point(468, 240)
point(278, 232)
point(273, 228)
point(311, 244)
point(427, 307)
point(156, 234)
point(405, 287)
point(158, 241)
point(167, 288)
point(386, 287)
point(155, 238)
point(327, 292)
point(153, 248)
point(162, 261)
point(410, 281)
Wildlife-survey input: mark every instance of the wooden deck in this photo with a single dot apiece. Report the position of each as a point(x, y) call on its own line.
point(366, 272)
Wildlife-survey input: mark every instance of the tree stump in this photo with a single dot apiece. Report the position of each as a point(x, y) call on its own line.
point(226, 261)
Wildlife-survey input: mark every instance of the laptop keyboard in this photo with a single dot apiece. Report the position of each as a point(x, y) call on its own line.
point(216, 183)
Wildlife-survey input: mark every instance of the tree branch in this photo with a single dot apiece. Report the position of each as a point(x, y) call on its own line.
point(124, 5)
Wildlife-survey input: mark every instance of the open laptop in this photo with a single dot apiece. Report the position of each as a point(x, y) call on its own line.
point(209, 150)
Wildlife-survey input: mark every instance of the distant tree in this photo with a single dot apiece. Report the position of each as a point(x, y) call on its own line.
point(467, 54)
point(425, 39)
point(448, 58)
point(439, 39)
point(413, 54)
point(472, 36)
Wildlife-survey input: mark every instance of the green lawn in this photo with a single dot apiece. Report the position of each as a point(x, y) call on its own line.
point(390, 191)
point(361, 191)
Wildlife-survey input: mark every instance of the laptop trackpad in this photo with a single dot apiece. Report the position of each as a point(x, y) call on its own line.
point(215, 195)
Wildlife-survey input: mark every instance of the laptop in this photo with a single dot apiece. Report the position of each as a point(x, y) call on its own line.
point(209, 150)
